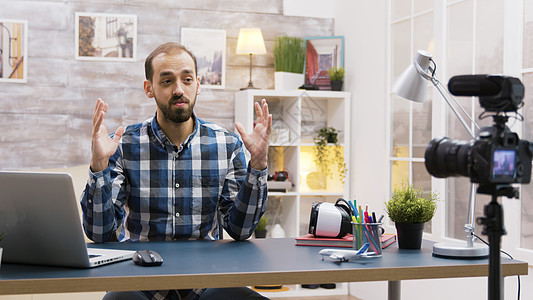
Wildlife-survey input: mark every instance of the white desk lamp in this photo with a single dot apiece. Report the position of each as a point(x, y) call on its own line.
point(412, 85)
point(250, 42)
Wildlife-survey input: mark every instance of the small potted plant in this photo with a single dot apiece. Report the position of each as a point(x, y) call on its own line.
point(289, 60)
point(336, 77)
point(324, 158)
point(410, 209)
point(261, 229)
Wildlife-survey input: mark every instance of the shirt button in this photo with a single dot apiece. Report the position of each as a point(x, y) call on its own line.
point(90, 201)
point(177, 185)
point(177, 214)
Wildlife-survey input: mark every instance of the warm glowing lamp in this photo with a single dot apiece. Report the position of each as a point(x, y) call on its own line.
point(250, 42)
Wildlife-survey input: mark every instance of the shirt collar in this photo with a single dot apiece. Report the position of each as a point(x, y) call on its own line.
point(163, 139)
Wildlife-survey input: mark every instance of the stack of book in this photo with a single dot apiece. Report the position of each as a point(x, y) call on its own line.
point(347, 241)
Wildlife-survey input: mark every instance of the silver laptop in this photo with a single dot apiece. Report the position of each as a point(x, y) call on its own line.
point(41, 220)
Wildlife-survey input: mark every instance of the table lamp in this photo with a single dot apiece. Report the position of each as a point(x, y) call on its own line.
point(412, 85)
point(250, 42)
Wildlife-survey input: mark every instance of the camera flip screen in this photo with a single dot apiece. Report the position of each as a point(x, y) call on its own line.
point(503, 164)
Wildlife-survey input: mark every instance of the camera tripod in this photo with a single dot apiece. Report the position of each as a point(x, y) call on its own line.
point(493, 227)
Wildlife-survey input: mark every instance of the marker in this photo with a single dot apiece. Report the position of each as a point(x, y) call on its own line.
point(380, 218)
point(352, 207)
point(374, 217)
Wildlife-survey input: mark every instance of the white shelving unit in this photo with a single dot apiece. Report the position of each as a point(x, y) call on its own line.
point(297, 116)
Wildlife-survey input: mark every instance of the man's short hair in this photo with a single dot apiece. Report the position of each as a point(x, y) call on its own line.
point(170, 48)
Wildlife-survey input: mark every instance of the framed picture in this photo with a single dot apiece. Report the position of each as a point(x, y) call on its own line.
point(13, 50)
point(209, 47)
point(322, 54)
point(109, 37)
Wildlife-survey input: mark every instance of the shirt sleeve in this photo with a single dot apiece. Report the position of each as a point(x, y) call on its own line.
point(244, 196)
point(102, 201)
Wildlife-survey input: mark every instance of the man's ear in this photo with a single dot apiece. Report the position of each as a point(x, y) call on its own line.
point(148, 90)
point(198, 87)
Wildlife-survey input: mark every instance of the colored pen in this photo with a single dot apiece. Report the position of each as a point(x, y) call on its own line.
point(352, 207)
point(380, 218)
point(374, 217)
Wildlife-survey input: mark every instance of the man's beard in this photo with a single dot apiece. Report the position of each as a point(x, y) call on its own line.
point(177, 114)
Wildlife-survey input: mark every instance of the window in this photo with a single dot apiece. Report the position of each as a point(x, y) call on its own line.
point(470, 35)
point(410, 126)
point(526, 230)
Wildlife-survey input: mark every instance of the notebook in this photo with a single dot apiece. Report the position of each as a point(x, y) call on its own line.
point(41, 220)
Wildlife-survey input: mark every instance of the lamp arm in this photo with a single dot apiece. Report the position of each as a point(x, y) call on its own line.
point(442, 92)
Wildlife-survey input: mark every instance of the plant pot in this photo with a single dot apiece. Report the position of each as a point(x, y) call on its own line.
point(260, 234)
point(336, 85)
point(409, 235)
point(287, 81)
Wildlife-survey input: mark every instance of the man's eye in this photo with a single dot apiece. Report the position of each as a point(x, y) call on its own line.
point(166, 81)
point(188, 80)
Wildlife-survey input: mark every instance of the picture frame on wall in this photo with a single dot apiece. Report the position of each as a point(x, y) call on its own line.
point(105, 37)
point(209, 47)
point(321, 54)
point(13, 50)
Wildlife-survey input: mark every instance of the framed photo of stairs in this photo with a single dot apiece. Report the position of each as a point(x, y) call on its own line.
point(321, 54)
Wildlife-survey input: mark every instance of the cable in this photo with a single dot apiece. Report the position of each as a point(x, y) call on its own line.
point(509, 255)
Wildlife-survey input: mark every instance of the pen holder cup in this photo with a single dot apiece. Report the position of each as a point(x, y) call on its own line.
point(368, 233)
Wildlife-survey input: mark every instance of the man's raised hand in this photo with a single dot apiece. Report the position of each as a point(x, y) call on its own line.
point(257, 141)
point(103, 146)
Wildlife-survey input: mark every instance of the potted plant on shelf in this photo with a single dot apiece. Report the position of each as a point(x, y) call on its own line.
point(336, 77)
point(326, 155)
point(289, 60)
point(410, 209)
point(261, 229)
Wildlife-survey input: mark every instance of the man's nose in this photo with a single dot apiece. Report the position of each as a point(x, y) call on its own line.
point(178, 90)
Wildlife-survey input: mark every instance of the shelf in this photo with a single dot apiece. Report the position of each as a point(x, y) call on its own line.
point(296, 290)
point(296, 117)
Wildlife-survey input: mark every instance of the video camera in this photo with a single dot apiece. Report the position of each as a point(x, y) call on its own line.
point(496, 156)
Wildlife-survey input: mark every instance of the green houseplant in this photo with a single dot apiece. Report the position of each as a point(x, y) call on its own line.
point(410, 209)
point(261, 229)
point(289, 60)
point(336, 77)
point(326, 155)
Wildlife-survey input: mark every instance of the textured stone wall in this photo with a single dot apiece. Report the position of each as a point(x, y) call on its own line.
point(46, 122)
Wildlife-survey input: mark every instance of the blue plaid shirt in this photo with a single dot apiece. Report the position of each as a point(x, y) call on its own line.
point(158, 191)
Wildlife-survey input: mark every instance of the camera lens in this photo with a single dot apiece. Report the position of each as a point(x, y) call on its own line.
point(446, 157)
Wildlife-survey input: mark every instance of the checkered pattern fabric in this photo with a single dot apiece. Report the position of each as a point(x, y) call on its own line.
point(157, 191)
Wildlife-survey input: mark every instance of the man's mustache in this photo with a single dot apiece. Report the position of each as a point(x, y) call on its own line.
point(180, 99)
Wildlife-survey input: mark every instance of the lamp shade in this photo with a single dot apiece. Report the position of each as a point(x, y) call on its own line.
point(412, 83)
point(251, 41)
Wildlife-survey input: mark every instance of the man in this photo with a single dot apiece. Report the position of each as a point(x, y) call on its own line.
point(166, 178)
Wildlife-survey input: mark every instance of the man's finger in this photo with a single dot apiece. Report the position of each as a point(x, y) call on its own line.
point(258, 110)
point(118, 134)
point(96, 109)
point(240, 129)
point(98, 123)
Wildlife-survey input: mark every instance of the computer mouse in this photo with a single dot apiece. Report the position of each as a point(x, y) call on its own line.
point(147, 258)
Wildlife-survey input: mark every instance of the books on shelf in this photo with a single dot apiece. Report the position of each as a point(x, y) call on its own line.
point(347, 241)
